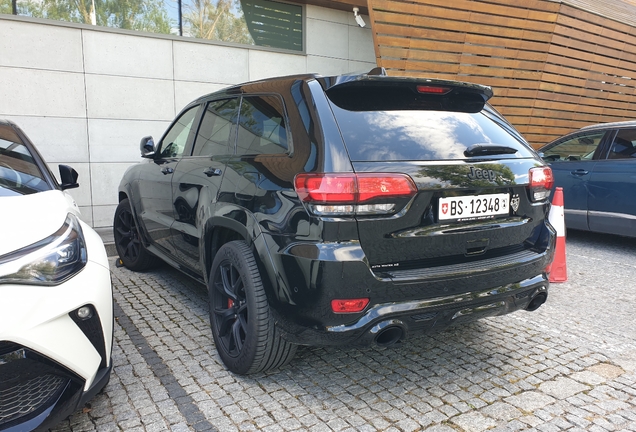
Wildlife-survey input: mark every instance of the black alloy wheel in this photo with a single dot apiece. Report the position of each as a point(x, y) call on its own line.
point(231, 321)
point(242, 326)
point(131, 251)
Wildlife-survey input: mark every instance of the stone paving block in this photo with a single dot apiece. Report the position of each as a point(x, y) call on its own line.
point(473, 422)
point(530, 400)
point(562, 388)
point(559, 367)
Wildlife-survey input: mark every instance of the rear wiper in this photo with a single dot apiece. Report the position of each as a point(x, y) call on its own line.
point(488, 149)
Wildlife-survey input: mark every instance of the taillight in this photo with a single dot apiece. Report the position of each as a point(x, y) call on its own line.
point(332, 194)
point(426, 89)
point(349, 305)
point(541, 182)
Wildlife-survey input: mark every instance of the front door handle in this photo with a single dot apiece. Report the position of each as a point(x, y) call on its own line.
point(167, 170)
point(580, 172)
point(212, 172)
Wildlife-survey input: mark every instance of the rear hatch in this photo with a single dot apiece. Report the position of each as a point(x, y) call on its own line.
point(472, 208)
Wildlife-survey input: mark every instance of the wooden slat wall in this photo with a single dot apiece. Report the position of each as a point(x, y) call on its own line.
point(553, 67)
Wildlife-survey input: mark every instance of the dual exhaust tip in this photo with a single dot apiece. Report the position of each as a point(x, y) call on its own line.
point(537, 301)
point(391, 334)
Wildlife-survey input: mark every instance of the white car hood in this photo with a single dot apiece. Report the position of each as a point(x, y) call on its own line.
point(27, 219)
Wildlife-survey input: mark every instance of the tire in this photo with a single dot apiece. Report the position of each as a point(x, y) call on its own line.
point(128, 243)
point(242, 325)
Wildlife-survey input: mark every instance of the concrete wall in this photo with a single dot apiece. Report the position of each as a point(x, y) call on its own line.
point(86, 95)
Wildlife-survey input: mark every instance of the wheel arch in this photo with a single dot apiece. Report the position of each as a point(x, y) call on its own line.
point(243, 226)
point(125, 194)
point(227, 224)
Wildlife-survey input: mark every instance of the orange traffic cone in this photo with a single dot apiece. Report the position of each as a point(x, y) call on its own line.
point(558, 269)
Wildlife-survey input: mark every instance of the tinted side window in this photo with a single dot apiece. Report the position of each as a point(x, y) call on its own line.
point(175, 141)
point(216, 130)
point(580, 146)
point(262, 128)
point(624, 146)
point(419, 135)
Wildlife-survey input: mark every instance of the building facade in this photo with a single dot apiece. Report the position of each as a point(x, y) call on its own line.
point(87, 94)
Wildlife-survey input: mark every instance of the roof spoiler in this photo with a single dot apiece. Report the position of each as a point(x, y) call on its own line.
point(378, 92)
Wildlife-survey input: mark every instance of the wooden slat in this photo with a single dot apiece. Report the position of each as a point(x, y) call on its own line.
point(554, 65)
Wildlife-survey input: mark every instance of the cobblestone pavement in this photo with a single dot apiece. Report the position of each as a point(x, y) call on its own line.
point(571, 365)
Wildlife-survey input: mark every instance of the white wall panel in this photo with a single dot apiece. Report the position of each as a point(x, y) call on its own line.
point(103, 215)
point(361, 44)
point(186, 91)
point(210, 63)
point(134, 56)
point(87, 214)
point(361, 67)
point(41, 93)
point(265, 64)
point(57, 138)
point(109, 175)
point(331, 15)
point(327, 65)
point(129, 98)
point(327, 39)
point(37, 46)
point(118, 140)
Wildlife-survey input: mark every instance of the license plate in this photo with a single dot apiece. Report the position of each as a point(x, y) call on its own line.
point(474, 207)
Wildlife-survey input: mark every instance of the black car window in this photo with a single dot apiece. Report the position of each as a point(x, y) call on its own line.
point(262, 128)
point(175, 140)
point(216, 130)
point(624, 145)
point(420, 134)
point(19, 172)
point(580, 146)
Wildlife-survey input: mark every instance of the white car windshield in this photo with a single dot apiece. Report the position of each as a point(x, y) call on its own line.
point(19, 172)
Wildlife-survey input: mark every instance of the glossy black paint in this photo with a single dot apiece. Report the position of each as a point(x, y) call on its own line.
point(409, 264)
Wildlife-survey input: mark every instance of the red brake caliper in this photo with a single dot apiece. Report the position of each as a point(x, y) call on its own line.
point(230, 303)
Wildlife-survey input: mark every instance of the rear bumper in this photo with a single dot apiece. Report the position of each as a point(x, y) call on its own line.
point(431, 315)
point(415, 302)
point(427, 316)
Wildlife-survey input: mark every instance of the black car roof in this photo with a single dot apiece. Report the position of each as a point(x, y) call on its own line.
point(377, 75)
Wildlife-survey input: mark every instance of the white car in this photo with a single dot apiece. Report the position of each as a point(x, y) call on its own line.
point(56, 302)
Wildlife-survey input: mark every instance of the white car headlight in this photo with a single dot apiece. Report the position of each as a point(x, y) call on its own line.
point(50, 261)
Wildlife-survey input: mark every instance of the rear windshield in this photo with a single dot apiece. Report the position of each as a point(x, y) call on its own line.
point(420, 135)
point(19, 172)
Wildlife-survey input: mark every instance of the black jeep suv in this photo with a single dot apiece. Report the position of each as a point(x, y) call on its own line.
point(341, 210)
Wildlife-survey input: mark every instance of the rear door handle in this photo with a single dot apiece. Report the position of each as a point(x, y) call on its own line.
point(212, 172)
point(167, 170)
point(580, 172)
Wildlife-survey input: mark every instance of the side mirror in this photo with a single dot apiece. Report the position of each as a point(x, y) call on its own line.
point(69, 177)
point(147, 147)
